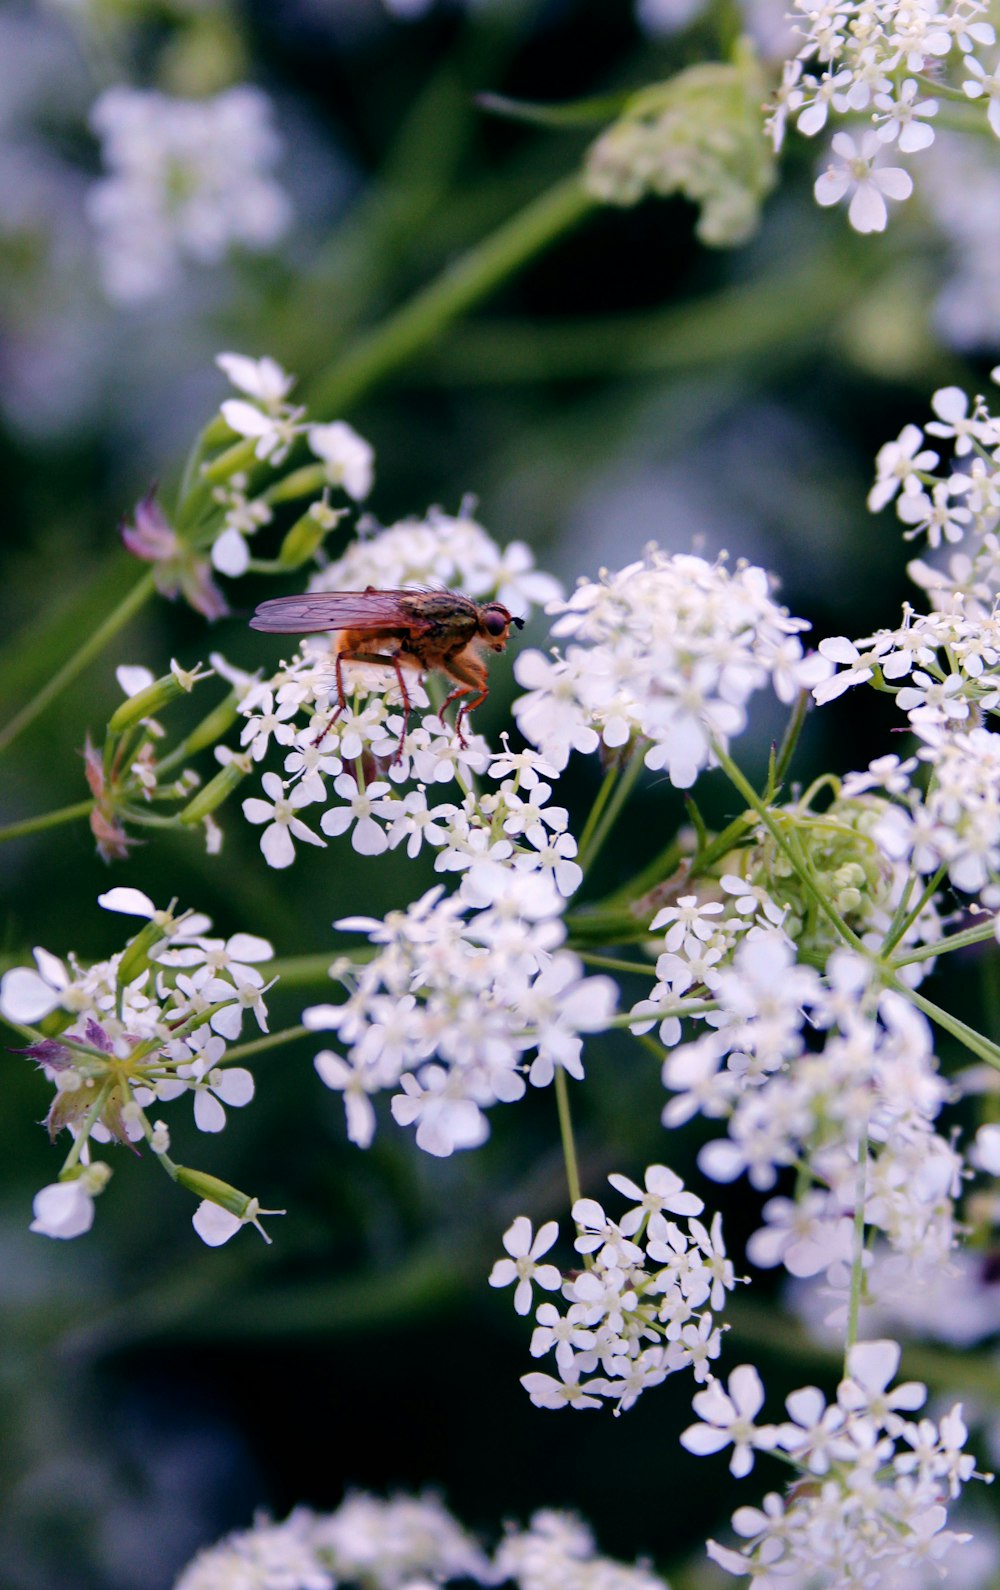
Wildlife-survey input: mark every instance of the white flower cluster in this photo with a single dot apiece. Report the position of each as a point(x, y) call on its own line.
point(700, 941)
point(404, 1543)
point(186, 180)
point(449, 550)
point(668, 651)
point(641, 1307)
point(871, 58)
point(943, 666)
point(462, 990)
point(140, 1029)
point(869, 1096)
point(869, 1504)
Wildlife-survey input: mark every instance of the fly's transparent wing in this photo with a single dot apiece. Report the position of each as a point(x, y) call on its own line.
point(375, 611)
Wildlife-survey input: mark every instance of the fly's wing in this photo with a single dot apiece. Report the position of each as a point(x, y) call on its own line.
point(379, 612)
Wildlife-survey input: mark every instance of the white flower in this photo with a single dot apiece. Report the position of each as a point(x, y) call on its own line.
point(982, 82)
point(349, 460)
point(65, 1209)
point(133, 679)
point(664, 1193)
point(276, 840)
point(187, 180)
point(854, 173)
point(216, 1225)
point(900, 463)
point(566, 1392)
point(667, 650)
point(232, 1085)
point(272, 434)
point(954, 421)
point(523, 1266)
point(368, 837)
point(261, 379)
point(445, 1117)
point(729, 1419)
point(901, 117)
point(28, 996)
point(870, 1368)
point(440, 550)
point(986, 1152)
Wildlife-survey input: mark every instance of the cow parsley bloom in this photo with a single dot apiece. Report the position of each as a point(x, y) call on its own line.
point(872, 1488)
point(666, 652)
point(386, 1544)
point(449, 550)
point(187, 180)
point(643, 1308)
point(855, 174)
point(143, 1028)
point(467, 1000)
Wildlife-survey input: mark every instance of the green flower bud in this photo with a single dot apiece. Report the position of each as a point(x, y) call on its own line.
point(218, 1192)
point(308, 534)
point(136, 957)
point(216, 791)
point(700, 134)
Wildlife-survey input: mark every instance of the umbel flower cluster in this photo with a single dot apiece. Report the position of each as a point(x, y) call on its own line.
point(871, 62)
point(942, 666)
point(185, 181)
point(641, 1307)
point(468, 998)
point(349, 765)
point(669, 651)
point(125, 1035)
point(408, 1541)
point(871, 1502)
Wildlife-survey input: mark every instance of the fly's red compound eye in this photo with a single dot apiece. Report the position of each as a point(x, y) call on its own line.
point(495, 621)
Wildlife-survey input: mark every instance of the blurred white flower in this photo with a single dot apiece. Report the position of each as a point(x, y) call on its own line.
point(186, 181)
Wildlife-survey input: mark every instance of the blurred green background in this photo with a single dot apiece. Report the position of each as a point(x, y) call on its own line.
point(629, 385)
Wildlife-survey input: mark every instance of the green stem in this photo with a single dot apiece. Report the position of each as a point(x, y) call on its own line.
point(765, 318)
point(36, 825)
point(972, 1040)
point(95, 643)
point(612, 809)
point(904, 919)
point(952, 941)
point(461, 285)
point(858, 1245)
point(797, 859)
point(600, 801)
point(301, 971)
point(83, 1130)
point(789, 741)
point(607, 963)
point(566, 1134)
point(273, 1040)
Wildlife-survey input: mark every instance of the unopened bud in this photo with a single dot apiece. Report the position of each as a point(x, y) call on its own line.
point(307, 534)
point(217, 791)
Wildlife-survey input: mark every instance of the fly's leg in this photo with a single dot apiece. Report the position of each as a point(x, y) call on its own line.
point(472, 677)
point(341, 703)
point(382, 661)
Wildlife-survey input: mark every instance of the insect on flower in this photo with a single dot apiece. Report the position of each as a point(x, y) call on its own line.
point(420, 630)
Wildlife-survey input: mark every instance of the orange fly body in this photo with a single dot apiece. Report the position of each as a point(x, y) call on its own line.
point(420, 630)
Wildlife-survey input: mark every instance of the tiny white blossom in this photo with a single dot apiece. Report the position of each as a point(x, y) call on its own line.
point(854, 173)
point(525, 1250)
